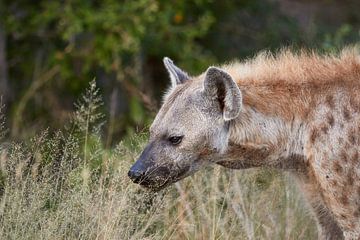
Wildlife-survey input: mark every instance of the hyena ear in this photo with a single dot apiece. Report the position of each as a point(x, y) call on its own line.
point(177, 75)
point(219, 85)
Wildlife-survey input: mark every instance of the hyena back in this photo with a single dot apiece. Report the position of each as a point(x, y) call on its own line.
point(295, 112)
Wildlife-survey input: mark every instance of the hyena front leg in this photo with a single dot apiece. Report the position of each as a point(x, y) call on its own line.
point(328, 229)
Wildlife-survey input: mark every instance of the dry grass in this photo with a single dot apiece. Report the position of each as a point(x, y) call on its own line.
point(65, 185)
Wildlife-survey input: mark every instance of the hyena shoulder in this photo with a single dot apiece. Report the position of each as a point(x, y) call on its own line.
point(333, 152)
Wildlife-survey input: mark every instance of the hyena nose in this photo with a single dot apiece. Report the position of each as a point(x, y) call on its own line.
point(135, 175)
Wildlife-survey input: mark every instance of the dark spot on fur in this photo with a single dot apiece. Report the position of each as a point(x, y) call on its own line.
point(340, 140)
point(324, 129)
point(330, 120)
point(327, 176)
point(343, 216)
point(351, 137)
point(354, 158)
point(204, 152)
point(347, 146)
point(330, 101)
point(350, 179)
point(344, 199)
point(343, 156)
point(314, 134)
point(337, 167)
point(346, 113)
point(333, 183)
point(341, 125)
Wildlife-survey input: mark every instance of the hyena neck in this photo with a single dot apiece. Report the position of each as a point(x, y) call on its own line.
point(260, 140)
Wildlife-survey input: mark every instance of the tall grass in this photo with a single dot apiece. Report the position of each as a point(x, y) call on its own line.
point(66, 185)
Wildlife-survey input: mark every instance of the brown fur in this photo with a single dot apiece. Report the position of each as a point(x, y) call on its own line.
point(271, 83)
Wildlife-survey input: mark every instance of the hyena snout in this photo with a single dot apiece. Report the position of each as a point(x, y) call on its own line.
point(135, 175)
point(147, 172)
point(155, 169)
point(148, 177)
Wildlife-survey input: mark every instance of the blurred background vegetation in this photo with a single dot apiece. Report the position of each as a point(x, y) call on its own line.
point(51, 50)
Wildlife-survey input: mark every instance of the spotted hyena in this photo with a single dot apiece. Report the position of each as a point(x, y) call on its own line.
point(296, 112)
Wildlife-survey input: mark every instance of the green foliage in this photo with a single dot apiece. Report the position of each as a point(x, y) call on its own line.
point(2, 121)
point(333, 42)
point(54, 47)
point(87, 38)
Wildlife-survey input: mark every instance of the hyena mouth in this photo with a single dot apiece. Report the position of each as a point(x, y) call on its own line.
point(155, 178)
point(162, 178)
point(155, 183)
point(155, 187)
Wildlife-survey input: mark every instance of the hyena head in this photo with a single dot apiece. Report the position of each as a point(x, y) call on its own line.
point(190, 129)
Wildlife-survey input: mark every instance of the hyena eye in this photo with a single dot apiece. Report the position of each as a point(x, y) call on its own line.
point(175, 140)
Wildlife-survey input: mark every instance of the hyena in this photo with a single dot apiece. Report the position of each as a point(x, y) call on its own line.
point(299, 112)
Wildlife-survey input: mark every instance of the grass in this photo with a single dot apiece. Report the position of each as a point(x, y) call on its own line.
point(66, 185)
